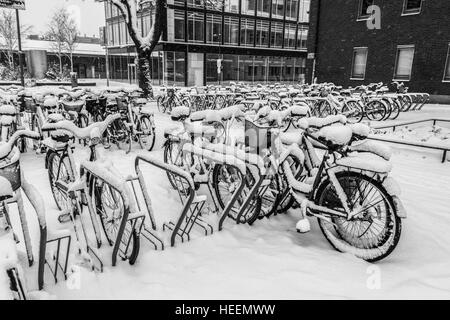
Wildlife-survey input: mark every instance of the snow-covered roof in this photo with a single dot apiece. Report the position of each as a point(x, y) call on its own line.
point(81, 48)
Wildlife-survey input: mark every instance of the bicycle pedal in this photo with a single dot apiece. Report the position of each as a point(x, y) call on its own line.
point(303, 226)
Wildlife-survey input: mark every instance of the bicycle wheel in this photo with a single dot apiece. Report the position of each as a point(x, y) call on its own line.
point(59, 171)
point(395, 109)
point(374, 232)
point(219, 102)
point(388, 108)
point(110, 208)
point(324, 109)
point(226, 179)
point(376, 110)
point(147, 133)
point(159, 102)
point(288, 200)
point(173, 155)
point(352, 110)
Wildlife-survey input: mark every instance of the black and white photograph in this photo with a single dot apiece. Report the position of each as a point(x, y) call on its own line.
point(228, 157)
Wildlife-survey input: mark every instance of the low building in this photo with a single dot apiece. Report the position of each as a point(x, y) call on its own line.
point(411, 43)
point(88, 57)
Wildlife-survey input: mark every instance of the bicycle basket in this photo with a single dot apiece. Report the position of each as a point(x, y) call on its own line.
point(122, 103)
point(257, 138)
point(11, 172)
point(74, 106)
point(28, 105)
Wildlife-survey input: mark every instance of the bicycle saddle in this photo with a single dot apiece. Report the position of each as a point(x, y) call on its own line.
point(8, 110)
point(180, 113)
point(73, 105)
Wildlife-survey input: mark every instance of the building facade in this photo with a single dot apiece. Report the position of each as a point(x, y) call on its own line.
point(255, 40)
point(403, 40)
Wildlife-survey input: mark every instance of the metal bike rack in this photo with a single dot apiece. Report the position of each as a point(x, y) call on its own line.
point(136, 219)
point(192, 205)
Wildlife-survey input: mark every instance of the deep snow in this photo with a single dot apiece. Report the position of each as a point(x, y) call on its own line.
point(270, 260)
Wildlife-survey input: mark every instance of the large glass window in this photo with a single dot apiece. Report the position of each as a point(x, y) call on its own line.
point(447, 66)
point(264, 8)
point(231, 30)
point(278, 9)
point(213, 28)
point(302, 37)
point(363, 6)
point(404, 62)
point(247, 32)
point(195, 3)
point(412, 6)
point(179, 2)
point(231, 6)
point(230, 67)
point(262, 33)
point(289, 36)
point(303, 15)
point(195, 27)
point(291, 9)
point(276, 36)
point(248, 7)
point(359, 63)
point(179, 25)
point(174, 64)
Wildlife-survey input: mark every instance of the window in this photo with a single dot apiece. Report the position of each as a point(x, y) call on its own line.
point(247, 32)
point(213, 28)
point(302, 36)
point(276, 36)
point(289, 36)
point(231, 6)
point(262, 33)
point(412, 6)
point(195, 27)
point(359, 63)
point(195, 3)
point(264, 8)
point(303, 15)
point(179, 25)
point(278, 9)
point(248, 7)
point(447, 65)
point(404, 62)
point(291, 9)
point(231, 30)
point(363, 6)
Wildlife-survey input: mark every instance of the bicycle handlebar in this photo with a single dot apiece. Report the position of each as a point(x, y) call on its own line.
point(6, 148)
point(82, 133)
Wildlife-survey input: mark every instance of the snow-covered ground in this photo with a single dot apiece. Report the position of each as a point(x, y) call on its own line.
point(270, 260)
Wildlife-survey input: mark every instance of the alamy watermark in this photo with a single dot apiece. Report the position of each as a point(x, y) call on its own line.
point(374, 20)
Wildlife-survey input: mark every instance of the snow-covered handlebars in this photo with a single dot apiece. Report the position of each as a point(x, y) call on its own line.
point(94, 130)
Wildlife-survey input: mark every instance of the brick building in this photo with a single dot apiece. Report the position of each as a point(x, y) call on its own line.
point(412, 45)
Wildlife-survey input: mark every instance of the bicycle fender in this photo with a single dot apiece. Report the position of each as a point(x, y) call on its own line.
point(393, 189)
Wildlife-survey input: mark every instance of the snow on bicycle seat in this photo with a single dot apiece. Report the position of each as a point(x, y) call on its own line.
point(205, 115)
point(8, 110)
point(141, 101)
point(180, 113)
point(335, 135)
point(299, 110)
point(55, 117)
point(316, 122)
point(50, 102)
point(291, 137)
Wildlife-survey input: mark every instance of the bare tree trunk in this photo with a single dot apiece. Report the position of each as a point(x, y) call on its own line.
point(60, 65)
point(71, 62)
point(144, 73)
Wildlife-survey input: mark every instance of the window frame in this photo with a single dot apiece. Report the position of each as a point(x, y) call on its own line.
point(355, 49)
point(405, 12)
point(365, 16)
point(447, 66)
point(397, 55)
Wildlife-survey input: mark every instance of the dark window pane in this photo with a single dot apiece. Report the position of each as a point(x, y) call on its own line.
point(364, 5)
point(412, 6)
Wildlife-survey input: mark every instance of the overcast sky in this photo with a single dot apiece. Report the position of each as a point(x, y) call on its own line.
point(88, 13)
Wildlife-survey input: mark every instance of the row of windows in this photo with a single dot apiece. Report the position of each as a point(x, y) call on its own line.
point(403, 63)
point(409, 7)
point(295, 10)
point(251, 32)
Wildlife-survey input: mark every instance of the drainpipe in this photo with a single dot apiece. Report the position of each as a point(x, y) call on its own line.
point(316, 42)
